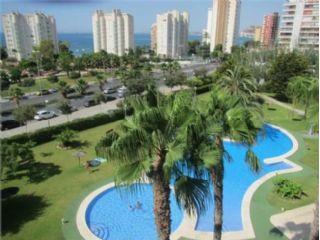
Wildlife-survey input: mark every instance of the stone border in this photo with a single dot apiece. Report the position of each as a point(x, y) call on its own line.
point(188, 225)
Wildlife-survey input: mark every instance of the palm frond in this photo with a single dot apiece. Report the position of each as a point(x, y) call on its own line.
point(192, 194)
point(253, 161)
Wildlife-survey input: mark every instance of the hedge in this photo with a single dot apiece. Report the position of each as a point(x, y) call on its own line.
point(48, 134)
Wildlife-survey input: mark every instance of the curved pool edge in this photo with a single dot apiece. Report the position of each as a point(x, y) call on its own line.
point(188, 224)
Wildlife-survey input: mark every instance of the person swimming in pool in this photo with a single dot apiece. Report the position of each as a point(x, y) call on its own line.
point(139, 205)
point(131, 208)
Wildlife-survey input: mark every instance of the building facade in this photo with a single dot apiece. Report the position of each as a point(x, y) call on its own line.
point(113, 32)
point(225, 23)
point(154, 37)
point(24, 32)
point(300, 25)
point(269, 31)
point(257, 34)
point(172, 34)
point(206, 33)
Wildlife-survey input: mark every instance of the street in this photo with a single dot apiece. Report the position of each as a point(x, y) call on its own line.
point(39, 102)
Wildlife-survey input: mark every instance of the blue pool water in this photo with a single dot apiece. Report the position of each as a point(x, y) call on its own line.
point(110, 217)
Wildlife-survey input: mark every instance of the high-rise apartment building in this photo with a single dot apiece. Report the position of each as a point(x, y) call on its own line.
point(172, 34)
point(300, 25)
point(154, 37)
point(257, 34)
point(112, 32)
point(225, 23)
point(206, 33)
point(24, 32)
point(269, 29)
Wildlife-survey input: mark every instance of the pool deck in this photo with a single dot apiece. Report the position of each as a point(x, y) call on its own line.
point(296, 223)
point(188, 225)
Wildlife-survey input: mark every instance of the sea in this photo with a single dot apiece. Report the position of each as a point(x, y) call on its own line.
point(83, 42)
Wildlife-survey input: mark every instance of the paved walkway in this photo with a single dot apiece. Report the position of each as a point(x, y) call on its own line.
point(295, 224)
point(287, 106)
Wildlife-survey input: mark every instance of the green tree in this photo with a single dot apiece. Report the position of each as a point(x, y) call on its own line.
point(65, 107)
point(149, 148)
point(82, 86)
point(23, 114)
point(63, 88)
point(239, 82)
point(15, 74)
point(99, 97)
point(284, 67)
point(304, 91)
point(193, 47)
point(64, 61)
point(16, 94)
point(44, 54)
point(5, 82)
point(224, 117)
point(9, 157)
point(66, 138)
point(3, 53)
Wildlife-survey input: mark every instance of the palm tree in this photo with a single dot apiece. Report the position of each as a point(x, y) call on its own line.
point(16, 94)
point(226, 117)
point(303, 90)
point(63, 88)
point(149, 148)
point(81, 86)
point(239, 82)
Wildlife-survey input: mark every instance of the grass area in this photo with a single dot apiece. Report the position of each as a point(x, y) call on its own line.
point(36, 211)
point(56, 190)
point(265, 202)
point(43, 83)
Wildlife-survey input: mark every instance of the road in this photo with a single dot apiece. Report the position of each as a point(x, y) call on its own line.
point(76, 102)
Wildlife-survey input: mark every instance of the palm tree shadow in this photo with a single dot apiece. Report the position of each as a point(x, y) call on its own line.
point(301, 231)
point(20, 209)
point(36, 171)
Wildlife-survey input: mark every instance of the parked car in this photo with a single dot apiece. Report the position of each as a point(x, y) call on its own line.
point(110, 98)
point(53, 90)
point(90, 103)
point(44, 114)
point(110, 90)
point(9, 124)
point(43, 92)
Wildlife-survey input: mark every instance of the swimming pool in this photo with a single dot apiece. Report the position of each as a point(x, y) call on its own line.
point(110, 215)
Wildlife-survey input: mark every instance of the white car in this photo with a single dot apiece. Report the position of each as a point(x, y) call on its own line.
point(44, 114)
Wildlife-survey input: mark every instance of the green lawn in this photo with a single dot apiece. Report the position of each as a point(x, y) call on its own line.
point(43, 83)
point(35, 212)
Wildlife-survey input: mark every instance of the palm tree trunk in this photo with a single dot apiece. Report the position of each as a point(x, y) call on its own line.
point(217, 173)
point(217, 179)
point(161, 204)
point(315, 224)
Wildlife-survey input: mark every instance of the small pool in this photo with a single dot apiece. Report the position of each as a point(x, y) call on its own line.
point(114, 214)
point(109, 215)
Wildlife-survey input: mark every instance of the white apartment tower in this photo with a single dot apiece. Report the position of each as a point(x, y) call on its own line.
point(112, 32)
point(225, 23)
point(206, 33)
point(172, 34)
point(300, 25)
point(23, 32)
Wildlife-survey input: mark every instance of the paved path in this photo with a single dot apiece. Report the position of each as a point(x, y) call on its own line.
point(287, 106)
point(295, 224)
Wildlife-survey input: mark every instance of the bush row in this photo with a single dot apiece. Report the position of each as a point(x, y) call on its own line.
point(48, 134)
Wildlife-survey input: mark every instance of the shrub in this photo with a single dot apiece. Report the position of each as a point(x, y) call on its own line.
point(53, 78)
point(65, 107)
point(288, 189)
point(28, 82)
point(93, 73)
point(74, 75)
point(66, 137)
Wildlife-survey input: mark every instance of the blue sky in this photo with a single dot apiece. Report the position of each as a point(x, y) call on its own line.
point(75, 15)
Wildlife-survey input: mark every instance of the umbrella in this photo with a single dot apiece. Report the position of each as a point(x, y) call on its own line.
point(78, 155)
